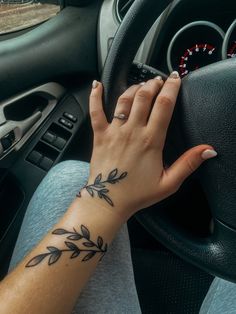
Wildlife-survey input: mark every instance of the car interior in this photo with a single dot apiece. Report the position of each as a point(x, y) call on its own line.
point(179, 245)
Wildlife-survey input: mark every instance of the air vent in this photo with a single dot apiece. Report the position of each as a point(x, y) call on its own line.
point(122, 7)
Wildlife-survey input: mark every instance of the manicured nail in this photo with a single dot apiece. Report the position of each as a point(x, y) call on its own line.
point(159, 78)
point(174, 75)
point(143, 83)
point(209, 153)
point(95, 84)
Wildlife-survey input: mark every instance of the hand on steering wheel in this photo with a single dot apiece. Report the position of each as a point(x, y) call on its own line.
point(132, 145)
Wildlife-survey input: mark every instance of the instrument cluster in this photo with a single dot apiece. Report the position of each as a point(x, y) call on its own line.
point(198, 44)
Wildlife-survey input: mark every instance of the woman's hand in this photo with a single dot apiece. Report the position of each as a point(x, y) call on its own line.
point(127, 171)
point(126, 174)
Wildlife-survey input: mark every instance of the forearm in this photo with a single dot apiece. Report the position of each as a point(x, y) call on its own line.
point(126, 174)
point(54, 280)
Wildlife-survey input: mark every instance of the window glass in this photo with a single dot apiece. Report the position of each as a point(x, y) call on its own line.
point(20, 14)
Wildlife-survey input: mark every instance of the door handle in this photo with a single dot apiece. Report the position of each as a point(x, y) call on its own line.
point(11, 132)
point(14, 132)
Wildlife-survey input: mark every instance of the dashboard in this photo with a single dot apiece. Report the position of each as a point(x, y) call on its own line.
point(193, 35)
point(198, 44)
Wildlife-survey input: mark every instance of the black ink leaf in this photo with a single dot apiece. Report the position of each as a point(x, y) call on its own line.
point(36, 260)
point(100, 195)
point(98, 179)
point(59, 231)
point(75, 254)
point(72, 246)
point(98, 188)
point(107, 199)
point(88, 256)
point(113, 181)
point(104, 191)
point(52, 249)
point(112, 174)
point(123, 175)
point(54, 257)
point(74, 237)
point(100, 242)
point(90, 190)
point(88, 244)
point(100, 185)
point(85, 232)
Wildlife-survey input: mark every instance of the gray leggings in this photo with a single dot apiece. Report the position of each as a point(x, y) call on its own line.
point(112, 287)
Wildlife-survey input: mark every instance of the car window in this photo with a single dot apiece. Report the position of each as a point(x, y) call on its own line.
point(19, 14)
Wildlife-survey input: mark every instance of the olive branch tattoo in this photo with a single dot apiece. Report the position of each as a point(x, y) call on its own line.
point(99, 187)
point(89, 247)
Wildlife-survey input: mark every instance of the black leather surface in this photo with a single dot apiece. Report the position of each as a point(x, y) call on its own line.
point(216, 255)
point(206, 115)
point(166, 284)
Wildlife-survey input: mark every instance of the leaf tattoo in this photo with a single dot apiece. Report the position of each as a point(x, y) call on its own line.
point(85, 232)
point(88, 256)
point(36, 260)
point(88, 246)
point(99, 187)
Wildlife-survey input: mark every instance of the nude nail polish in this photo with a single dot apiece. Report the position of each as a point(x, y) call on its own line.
point(174, 75)
point(95, 84)
point(208, 154)
point(159, 78)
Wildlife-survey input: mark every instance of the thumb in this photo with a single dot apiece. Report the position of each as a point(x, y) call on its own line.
point(184, 166)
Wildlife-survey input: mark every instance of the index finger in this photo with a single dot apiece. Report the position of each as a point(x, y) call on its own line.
point(163, 108)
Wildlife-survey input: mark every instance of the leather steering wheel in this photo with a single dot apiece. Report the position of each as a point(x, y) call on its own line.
point(206, 113)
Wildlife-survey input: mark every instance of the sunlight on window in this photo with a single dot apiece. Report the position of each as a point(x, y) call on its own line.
point(20, 14)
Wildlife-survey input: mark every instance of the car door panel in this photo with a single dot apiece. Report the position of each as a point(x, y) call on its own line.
point(64, 45)
point(64, 50)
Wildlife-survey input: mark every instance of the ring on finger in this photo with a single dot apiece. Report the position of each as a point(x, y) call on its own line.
point(120, 116)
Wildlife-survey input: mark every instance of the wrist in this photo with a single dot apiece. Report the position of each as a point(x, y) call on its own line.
point(97, 206)
point(108, 190)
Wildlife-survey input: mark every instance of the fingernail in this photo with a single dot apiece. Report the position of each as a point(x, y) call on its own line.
point(208, 154)
point(143, 83)
point(174, 75)
point(159, 78)
point(95, 84)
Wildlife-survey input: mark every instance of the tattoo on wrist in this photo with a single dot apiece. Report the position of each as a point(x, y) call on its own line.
point(99, 187)
point(89, 248)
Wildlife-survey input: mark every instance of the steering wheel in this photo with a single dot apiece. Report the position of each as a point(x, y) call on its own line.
point(206, 113)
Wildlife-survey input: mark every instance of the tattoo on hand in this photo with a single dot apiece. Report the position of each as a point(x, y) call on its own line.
point(89, 247)
point(99, 187)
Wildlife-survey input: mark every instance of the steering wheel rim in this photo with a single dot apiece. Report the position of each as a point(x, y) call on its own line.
point(209, 86)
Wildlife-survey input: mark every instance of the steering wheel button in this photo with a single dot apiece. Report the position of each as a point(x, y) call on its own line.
point(143, 76)
point(144, 71)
